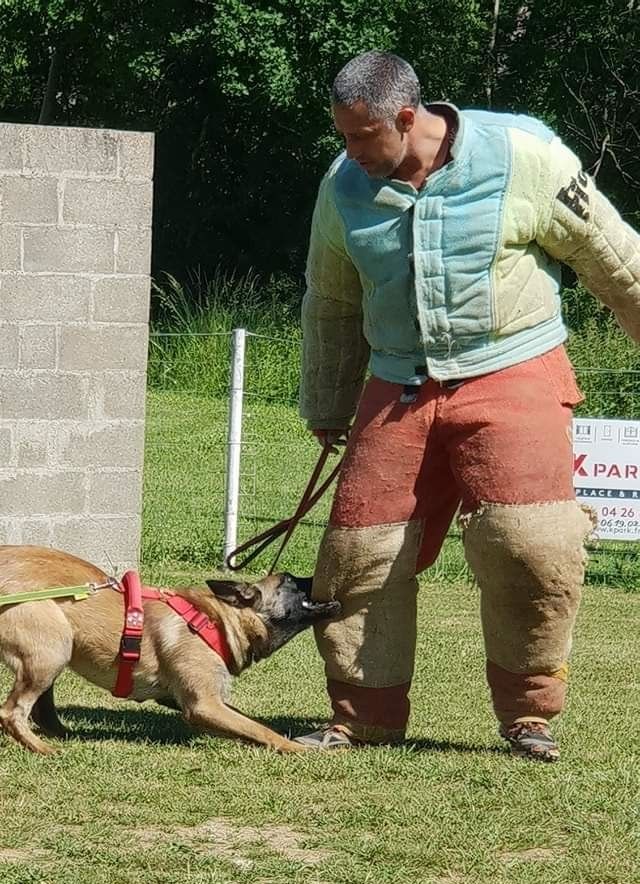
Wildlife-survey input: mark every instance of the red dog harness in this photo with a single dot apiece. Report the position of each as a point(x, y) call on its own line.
point(134, 594)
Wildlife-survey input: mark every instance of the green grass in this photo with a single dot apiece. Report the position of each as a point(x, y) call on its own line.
point(184, 492)
point(135, 796)
point(183, 517)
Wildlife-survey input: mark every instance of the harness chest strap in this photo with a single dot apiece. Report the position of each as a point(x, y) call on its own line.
point(134, 594)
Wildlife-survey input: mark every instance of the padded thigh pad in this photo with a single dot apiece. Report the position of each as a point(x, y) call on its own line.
point(529, 562)
point(371, 571)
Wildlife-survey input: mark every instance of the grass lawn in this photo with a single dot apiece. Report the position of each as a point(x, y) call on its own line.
point(136, 796)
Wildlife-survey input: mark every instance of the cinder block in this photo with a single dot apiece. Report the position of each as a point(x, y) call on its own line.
point(10, 147)
point(111, 543)
point(84, 348)
point(31, 494)
point(69, 251)
point(38, 346)
point(136, 154)
point(115, 492)
point(5, 528)
point(45, 298)
point(10, 248)
point(5, 448)
point(121, 299)
point(8, 346)
point(108, 203)
point(31, 443)
point(95, 446)
point(43, 396)
point(29, 200)
point(10, 531)
point(57, 149)
point(121, 394)
point(133, 251)
point(36, 532)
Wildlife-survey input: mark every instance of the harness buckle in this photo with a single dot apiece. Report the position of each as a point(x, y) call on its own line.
point(130, 647)
point(198, 623)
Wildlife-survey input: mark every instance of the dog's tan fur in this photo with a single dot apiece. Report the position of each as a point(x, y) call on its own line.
point(38, 639)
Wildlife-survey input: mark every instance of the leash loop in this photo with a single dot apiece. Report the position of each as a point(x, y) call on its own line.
point(309, 499)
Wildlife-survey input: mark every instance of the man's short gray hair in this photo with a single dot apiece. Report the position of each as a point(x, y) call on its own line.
point(384, 82)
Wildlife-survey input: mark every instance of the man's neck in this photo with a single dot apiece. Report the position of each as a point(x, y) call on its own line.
point(429, 148)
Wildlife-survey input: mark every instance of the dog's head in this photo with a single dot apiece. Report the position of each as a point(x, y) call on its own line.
point(283, 603)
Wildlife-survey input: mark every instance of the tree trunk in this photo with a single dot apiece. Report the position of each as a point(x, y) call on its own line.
point(48, 107)
point(491, 60)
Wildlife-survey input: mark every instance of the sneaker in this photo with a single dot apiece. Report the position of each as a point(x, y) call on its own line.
point(331, 736)
point(531, 739)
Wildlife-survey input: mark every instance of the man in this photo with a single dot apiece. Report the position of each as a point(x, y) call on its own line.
point(433, 258)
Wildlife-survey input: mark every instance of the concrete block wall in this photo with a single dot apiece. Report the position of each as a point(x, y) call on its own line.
point(75, 245)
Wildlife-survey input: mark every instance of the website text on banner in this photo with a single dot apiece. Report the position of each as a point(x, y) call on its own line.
point(606, 474)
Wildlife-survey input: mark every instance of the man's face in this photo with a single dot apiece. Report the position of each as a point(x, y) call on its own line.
point(377, 147)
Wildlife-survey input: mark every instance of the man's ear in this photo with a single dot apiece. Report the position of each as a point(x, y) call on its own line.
point(240, 595)
point(405, 119)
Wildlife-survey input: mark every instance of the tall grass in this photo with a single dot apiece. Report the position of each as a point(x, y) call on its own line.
point(190, 333)
point(191, 340)
point(607, 361)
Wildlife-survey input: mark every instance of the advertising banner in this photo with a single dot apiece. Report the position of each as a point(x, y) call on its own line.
point(606, 474)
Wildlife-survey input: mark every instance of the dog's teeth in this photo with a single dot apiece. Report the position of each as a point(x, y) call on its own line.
point(311, 606)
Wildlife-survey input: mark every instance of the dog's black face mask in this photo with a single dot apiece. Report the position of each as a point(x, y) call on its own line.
point(283, 602)
point(289, 609)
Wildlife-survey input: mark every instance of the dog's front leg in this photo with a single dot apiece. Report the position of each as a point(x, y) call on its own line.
point(224, 721)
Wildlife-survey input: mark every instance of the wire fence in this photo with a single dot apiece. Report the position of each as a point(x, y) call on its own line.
point(187, 445)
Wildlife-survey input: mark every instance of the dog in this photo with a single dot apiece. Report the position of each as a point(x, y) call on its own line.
point(38, 639)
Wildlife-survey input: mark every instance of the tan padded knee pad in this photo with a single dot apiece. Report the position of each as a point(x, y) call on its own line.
point(371, 571)
point(529, 563)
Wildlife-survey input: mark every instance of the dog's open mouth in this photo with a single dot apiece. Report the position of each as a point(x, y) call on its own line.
point(321, 609)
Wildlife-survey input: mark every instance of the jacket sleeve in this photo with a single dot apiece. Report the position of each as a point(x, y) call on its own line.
point(334, 350)
point(579, 226)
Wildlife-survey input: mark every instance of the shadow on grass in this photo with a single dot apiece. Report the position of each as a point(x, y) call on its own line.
point(293, 727)
point(151, 726)
point(129, 725)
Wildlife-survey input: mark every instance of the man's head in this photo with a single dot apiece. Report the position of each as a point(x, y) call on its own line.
point(375, 98)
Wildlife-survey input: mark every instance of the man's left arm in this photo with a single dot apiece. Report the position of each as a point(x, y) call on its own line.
point(578, 225)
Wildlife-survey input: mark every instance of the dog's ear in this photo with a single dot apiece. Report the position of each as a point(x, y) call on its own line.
point(240, 595)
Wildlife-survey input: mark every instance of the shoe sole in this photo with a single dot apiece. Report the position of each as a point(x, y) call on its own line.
point(547, 756)
point(319, 748)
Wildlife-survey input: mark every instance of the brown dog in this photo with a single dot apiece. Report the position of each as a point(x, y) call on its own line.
point(39, 638)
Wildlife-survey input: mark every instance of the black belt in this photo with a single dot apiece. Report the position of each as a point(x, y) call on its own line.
point(410, 392)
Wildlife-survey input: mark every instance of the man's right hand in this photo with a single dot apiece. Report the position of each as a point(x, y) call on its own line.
point(332, 438)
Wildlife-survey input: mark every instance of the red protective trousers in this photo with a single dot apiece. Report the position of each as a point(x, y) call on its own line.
point(499, 448)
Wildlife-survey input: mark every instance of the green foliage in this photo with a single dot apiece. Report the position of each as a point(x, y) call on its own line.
point(577, 65)
point(237, 93)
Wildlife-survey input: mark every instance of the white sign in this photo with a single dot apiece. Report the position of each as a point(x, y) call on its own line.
point(606, 474)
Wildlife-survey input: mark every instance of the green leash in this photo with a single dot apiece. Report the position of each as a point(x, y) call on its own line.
point(57, 592)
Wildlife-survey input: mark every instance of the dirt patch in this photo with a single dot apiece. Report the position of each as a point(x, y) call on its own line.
point(221, 838)
point(21, 854)
point(532, 855)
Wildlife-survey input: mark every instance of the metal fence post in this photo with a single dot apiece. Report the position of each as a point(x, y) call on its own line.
point(234, 442)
